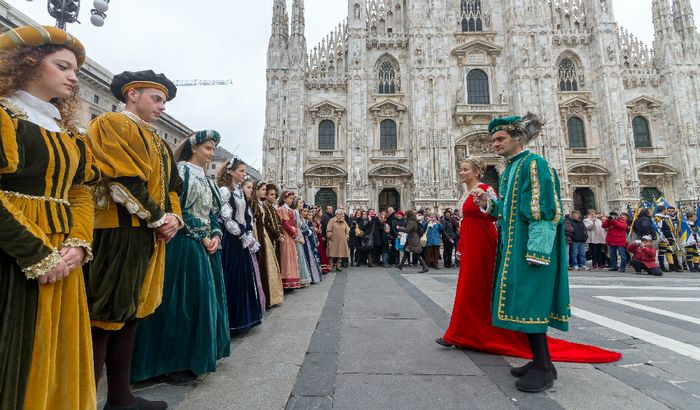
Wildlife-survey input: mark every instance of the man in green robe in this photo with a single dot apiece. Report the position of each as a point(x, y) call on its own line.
point(531, 288)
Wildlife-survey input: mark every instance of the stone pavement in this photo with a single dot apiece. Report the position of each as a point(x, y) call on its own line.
point(363, 339)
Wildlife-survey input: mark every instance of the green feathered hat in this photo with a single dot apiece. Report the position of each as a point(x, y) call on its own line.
point(504, 124)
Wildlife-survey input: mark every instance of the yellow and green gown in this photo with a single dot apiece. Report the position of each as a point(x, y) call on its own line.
point(140, 185)
point(530, 297)
point(45, 203)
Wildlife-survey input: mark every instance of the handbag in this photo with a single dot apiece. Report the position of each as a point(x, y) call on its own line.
point(424, 240)
point(368, 242)
point(359, 232)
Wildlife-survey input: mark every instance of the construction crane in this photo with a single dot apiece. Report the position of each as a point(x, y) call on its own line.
point(199, 83)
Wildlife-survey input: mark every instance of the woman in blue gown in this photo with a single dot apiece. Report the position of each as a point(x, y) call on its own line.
point(244, 311)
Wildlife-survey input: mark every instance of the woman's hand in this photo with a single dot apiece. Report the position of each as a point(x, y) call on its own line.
point(59, 272)
point(211, 244)
point(73, 257)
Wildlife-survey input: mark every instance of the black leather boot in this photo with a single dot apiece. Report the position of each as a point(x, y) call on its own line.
point(536, 380)
point(522, 370)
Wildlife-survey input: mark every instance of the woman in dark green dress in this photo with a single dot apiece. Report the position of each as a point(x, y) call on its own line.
point(189, 330)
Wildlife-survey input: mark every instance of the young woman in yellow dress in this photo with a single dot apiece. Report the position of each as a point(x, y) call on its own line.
point(46, 221)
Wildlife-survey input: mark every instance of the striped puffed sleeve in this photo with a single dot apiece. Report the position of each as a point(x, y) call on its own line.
point(82, 204)
point(20, 237)
point(539, 204)
point(121, 152)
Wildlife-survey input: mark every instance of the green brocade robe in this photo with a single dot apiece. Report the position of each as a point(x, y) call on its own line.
point(530, 297)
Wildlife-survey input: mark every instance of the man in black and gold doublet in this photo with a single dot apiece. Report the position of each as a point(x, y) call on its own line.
point(45, 204)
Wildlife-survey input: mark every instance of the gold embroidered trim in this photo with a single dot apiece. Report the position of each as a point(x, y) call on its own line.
point(537, 258)
point(34, 197)
point(535, 183)
point(557, 198)
point(44, 266)
point(79, 243)
point(18, 111)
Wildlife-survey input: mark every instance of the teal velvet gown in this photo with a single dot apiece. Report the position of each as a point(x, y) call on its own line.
point(189, 330)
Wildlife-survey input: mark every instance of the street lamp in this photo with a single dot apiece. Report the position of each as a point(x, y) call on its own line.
point(66, 11)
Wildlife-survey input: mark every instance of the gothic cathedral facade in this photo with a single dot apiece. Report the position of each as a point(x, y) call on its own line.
point(382, 110)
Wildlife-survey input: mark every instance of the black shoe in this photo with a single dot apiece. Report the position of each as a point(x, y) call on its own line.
point(139, 404)
point(183, 378)
point(678, 269)
point(442, 342)
point(400, 266)
point(535, 380)
point(522, 370)
point(612, 269)
point(369, 265)
point(423, 270)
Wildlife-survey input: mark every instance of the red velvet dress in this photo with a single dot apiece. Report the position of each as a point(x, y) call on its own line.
point(470, 325)
point(325, 266)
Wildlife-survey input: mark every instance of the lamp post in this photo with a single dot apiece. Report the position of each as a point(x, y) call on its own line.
point(67, 11)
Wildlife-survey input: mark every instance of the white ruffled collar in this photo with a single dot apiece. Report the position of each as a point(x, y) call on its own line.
point(38, 111)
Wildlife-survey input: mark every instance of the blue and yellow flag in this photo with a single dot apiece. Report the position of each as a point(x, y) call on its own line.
point(684, 231)
point(659, 202)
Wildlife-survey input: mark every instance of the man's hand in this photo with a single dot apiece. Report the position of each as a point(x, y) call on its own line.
point(72, 256)
point(59, 272)
point(167, 231)
point(481, 197)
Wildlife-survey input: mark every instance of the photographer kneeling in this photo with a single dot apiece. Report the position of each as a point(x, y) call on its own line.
point(644, 256)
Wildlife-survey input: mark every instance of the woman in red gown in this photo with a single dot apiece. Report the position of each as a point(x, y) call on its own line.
point(470, 324)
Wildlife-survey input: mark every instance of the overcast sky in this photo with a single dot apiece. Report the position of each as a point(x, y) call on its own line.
point(226, 39)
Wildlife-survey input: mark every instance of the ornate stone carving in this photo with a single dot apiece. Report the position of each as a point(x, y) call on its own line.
point(480, 144)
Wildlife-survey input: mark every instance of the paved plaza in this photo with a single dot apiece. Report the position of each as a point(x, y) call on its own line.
point(363, 339)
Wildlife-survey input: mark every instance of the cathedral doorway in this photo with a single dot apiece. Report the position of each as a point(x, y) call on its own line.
point(326, 197)
point(650, 194)
point(389, 197)
point(584, 199)
point(491, 177)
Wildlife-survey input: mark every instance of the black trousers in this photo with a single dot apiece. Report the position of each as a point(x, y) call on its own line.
point(639, 266)
point(447, 249)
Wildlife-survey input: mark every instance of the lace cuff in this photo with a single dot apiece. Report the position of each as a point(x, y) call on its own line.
point(79, 243)
point(43, 266)
point(122, 196)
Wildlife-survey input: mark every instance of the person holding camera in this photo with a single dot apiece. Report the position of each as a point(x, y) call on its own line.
point(644, 256)
point(616, 239)
point(596, 237)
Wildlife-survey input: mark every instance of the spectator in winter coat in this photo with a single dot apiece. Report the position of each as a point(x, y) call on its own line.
point(449, 238)
point(643, 225)
point(434, 235)
point(568, 233)
point(413, 241)
point(616, 239)
point(644, 256)
point(578, 242)
point(596, 237)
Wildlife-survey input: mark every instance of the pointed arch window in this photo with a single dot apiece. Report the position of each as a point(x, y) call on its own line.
point(387, 136)
point(471, 16)
point(567, 75)
point(326, 135)
point(387, 78)
point(642, 134)
point(577, 133)
point(478, 87)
